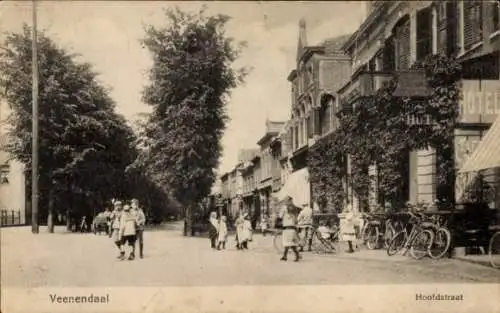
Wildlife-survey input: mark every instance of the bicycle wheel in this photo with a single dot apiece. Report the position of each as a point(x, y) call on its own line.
point(278, 242)
point(397, 243)
point(372, 237)
point(364, 233)
point(421, 243)
point(388, 235)
point(494, 250)
point(321, 245)
point(440, 244)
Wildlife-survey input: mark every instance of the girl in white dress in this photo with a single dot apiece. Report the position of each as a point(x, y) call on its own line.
point(290, 237)
point(222, 233)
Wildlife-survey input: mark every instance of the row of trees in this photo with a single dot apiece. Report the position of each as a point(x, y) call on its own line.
point(85, 146)
point(377, 132)
point(88, 152)
point(190, 83)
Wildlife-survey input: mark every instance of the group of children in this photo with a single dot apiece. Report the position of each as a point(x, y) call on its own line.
point(218, 232)
point(127, 226)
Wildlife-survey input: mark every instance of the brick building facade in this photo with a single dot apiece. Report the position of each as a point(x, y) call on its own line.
point(393, 39)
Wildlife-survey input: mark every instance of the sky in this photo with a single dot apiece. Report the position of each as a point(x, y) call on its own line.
point(107, 34)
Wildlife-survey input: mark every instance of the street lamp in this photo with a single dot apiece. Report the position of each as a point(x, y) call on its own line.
point(34, 148)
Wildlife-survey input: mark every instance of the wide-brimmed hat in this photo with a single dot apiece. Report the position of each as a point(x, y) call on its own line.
point(117, 202)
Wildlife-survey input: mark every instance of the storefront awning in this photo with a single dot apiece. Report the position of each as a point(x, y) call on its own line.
point(297, 187)
point(487, 153)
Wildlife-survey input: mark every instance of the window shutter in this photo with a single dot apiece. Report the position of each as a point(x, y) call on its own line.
point(403, 46)
point(472, 23)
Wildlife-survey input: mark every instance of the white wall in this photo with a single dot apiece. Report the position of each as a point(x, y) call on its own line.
point(12, 194)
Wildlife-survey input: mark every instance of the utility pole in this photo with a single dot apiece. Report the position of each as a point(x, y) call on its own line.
point(34, 147)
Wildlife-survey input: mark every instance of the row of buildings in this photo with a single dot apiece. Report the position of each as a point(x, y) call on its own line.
point(334, 75)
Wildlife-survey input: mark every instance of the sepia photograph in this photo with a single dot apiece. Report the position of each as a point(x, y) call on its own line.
point(254, 156)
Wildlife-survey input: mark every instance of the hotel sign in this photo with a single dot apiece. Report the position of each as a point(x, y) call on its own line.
point(480, 101)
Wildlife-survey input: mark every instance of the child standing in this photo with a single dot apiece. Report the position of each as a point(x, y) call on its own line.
point(288, 215)
point(128, 228)
point(246, 232)
point(115, 217)
point(222, 233)
point(349, 231)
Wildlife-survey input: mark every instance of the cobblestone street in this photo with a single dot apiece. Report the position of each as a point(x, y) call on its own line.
point(82, 260)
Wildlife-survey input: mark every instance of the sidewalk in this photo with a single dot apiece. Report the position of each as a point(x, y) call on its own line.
point(483, 259)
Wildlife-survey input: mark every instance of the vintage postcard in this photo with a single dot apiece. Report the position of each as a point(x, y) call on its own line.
point(256, 156)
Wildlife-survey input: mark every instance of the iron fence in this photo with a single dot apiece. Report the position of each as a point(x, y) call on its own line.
point(10, 217)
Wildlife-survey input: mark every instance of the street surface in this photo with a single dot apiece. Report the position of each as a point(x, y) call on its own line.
point(82, 260)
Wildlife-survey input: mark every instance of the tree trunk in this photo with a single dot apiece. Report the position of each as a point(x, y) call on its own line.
point(188, 221)
point(68, 220)
point(50, 215)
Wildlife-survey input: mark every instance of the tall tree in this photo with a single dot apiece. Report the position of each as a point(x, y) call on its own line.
point(84, 144)
point(190, 82)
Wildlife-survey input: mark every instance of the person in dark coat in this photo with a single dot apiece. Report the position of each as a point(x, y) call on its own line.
point(214, 230)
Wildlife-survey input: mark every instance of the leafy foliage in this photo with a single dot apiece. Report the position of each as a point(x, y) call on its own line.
point(85, 145)
point(190, 82)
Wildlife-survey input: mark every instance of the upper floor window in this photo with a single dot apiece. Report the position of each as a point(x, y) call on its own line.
point(402, 43)
point(325, 114)
point(424, 33)
point(310, 74)
point(473, 23)
point(389, 56)
point(495, 18)
point(448, 38)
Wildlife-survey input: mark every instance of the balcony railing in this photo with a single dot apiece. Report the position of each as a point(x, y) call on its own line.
point(365, 84)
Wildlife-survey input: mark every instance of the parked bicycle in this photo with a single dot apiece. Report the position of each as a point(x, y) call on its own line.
point(392, 227)
point(373, 230)
point(418, 241)
point(442, 237)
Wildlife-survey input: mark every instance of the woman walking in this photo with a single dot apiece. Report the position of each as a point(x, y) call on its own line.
point(288, 215)
point(128, 228)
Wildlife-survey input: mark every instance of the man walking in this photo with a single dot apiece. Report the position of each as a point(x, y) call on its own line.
point(141, 222)
point(305, 221)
